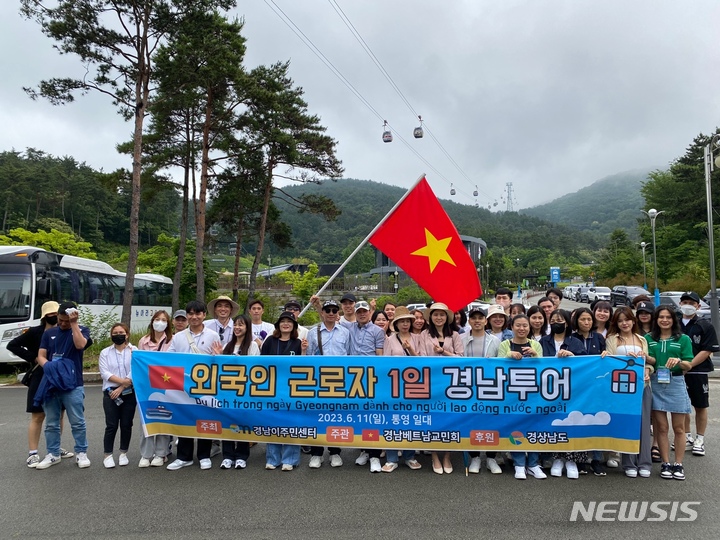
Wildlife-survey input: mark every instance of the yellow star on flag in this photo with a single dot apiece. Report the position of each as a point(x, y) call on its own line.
point(166, 377)
point(435, 250)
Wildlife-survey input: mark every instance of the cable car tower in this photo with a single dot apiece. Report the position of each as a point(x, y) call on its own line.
point(509, 196)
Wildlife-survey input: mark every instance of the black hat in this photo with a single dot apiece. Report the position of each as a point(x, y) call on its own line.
point(330, 303)
point(475, 310)
point(647, 307)
point(690, 295)
point(285, 315)
point(348, 296)
point(292, 303)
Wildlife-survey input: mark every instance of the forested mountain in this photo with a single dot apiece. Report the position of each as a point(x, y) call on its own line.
point(363, 203)
point(613, 202)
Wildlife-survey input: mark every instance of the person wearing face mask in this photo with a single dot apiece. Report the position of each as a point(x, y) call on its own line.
point(26, 346)
point(154, 449)
point(119, 401)
point(704, 344)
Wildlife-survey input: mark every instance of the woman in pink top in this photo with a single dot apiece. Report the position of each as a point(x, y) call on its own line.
point(440, 340)
point(155, 448)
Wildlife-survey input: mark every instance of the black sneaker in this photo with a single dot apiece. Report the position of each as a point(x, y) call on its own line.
point(582, 468)
point(305, 449)
point(597, 467)
point(666, 471)
point(678, 472)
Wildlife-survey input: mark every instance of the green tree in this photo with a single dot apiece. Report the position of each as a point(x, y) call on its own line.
point(53, 240)
point(305, 284)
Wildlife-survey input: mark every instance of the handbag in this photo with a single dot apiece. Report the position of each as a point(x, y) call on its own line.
point(28, 375)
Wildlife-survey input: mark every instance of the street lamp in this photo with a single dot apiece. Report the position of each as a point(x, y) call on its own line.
point(653, 214)
point(395, 285)
point(710, 164)
point(643, 245)
point(487, 274)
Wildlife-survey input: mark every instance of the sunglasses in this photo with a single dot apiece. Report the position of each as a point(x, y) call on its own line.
point(333, 311)
point(292, 309)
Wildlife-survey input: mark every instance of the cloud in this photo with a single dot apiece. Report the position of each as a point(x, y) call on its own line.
point(576, 418)
point(172, 396)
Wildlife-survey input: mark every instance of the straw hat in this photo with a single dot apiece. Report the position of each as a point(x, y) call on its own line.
point(213, 303)
point(49, 307)
point(402, 313)
point(434, 307)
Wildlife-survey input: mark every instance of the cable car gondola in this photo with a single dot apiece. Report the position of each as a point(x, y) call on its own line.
point(452, 189)
point(475, 193)
point(387, 134)
point(418, 131)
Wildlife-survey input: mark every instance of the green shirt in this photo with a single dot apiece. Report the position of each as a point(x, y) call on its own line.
point(661, 350)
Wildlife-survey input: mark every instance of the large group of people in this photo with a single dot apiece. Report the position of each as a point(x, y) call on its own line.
point(675, 350)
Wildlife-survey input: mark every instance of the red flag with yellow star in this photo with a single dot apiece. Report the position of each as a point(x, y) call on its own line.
point(167, 378)
point(420, 237)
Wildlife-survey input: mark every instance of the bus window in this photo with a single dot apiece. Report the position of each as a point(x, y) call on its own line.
point(14, 292)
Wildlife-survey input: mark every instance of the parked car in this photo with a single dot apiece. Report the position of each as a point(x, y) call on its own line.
point(598, 293)
point(622, 295)
point(707, 296)
point(569, 292)
point(582, 294)
point(672, 298)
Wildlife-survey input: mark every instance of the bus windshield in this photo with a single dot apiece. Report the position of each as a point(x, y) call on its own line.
point(15, 289)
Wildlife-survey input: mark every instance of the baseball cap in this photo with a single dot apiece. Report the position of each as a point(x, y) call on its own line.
point(330, 303)
point(292, 303)
point(690, 295)
point(362, 304)
point(348, 296)
point(476, 310)
point(647, 307)
point(180, 313)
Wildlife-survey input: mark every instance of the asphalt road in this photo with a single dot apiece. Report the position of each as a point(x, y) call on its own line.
point(350, 502)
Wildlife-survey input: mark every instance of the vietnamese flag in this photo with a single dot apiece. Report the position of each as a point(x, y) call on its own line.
point(420, 237)
point(167, 378)
point(371, 435)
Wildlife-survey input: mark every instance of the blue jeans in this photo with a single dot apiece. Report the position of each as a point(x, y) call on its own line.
point(392, 455)
point(519, 459)
point(287, 454)
point(73, 401)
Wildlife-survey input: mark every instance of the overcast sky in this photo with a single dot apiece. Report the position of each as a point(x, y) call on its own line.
point(548, 95)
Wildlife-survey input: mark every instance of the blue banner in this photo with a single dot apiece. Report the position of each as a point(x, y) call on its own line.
point(433, 403)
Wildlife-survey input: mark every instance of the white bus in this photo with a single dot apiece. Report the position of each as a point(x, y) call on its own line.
point(30, 276)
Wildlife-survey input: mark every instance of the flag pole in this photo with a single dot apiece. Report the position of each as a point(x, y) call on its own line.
point(365, 241)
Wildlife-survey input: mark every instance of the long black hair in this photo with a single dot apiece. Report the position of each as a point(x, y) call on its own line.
point(676, 331)
point(447, 327)
point(247, 338)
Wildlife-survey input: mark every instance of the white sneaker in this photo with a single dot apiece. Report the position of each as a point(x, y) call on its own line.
point(363, 458)
point(108, 462)
point(205, 464)
point(520, 473)
point(644, 473)
point(315, 462)
point(571, 470)
point(375, 465)
point(226, 464)
point(240, 463)
point(82, 460)
point(144, 462)
point(492, 466)
point(178, 464)
point(474, 465)
point(557, 467)
point(631, 473)
point(32, 460)
point(157, 461)
point(335, 460)
point(613, 461)
point(48, 461)
point(537, 472)
point(123, 460)
point(287, 467)
point(270, 467)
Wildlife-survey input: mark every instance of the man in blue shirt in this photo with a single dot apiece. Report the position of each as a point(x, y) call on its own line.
point(327, 339)
point(65, 342)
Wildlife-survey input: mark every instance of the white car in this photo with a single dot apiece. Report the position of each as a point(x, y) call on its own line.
point(570, 291)
point(598, 293)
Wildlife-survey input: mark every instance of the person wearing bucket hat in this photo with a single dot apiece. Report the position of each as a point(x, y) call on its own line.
point(441, 340)
point(704, 344)
point(224, 310)
point(284, 341)
point(498, 321)
point(26, 346)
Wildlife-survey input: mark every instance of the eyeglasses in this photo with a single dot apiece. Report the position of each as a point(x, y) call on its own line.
point(292, 309)
point(334, 311)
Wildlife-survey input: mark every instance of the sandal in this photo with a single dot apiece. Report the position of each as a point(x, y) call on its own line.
point(414, 464)
point(389, 466)
point(655, 453)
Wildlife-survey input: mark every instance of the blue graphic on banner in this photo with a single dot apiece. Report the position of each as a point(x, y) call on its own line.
point(545, 404)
